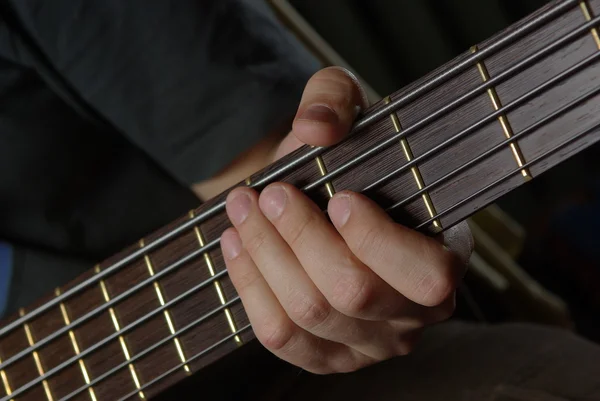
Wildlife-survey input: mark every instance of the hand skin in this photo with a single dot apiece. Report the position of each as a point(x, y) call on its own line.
point(332, 298)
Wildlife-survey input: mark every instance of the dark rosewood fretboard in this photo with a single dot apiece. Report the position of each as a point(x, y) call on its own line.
point(455, 145)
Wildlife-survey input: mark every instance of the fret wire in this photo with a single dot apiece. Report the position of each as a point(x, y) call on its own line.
point(36, 358)
point(74, 343)
point(193, 358)
point(217, 283)
point(489, 118)
point(587, 13)
point(414, 169)
point(538, 124)
point(503, 118)
point(113, 316)
point(5, 382)
point(506, 177)
point(153, 347)
point(215, 209)
point(166, 313)
point(362, 123)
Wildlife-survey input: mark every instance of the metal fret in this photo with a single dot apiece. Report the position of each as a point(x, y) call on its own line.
point(5, 382)
point(323, 171)
point(166, 312)
point(36, 357)
point(506, 127)
point(72, 337)
point(587, 13)
point(415, 170)
point(217, 283)
point(115, 321)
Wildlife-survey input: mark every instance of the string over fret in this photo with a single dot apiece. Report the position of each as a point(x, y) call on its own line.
point(166, 313)
point(36, 357)
point(75, 344)
point(506, 127)
point(587, 13)
point(117, 326)
point(217, 283)
point(414, 169)
point(323, 172)
point(5, 382)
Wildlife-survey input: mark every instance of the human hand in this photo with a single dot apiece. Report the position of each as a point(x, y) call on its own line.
point(336, 298)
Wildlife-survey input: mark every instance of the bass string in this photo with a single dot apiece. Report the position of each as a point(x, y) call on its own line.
point(213, 244)
point(236, 299)
point(511, 37)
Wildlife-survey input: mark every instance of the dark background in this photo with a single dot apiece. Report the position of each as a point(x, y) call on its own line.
point(390, 43)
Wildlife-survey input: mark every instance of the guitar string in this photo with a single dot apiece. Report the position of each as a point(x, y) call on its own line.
point(148, 350)
point(502, 145)
point(547, 50)
point(506, 177)
point(538, 159)
point(511, 37)
point(481, 157)
point(91, 349)
point(428, 155)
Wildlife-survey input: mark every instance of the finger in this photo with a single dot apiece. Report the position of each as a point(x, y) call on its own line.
point(417, 266)
point(330, 103)
point(271, 325)
point(347, 284)
point(298, 295)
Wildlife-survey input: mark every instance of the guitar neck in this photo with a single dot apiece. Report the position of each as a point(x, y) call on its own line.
point(431, 154)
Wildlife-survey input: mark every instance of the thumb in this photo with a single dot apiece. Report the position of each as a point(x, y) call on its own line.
point(330, 103)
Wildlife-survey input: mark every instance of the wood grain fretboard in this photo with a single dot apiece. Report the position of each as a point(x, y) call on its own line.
point(172, 310)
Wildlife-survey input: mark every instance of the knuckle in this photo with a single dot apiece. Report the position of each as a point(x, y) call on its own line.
point(369, 242)
point(347, 364)
point(352, 295)
point(256, 242)
point(440, 281)
point(244, 280)
point(297, 232)
point(309, 313)
point(407, 342)
point(274, 335)
point(405, 348)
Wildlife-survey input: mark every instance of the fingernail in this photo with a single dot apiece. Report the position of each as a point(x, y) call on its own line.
point(319, 113)
point(339, 210)
point(238, 208)
point(231, 245)
point(272, 201)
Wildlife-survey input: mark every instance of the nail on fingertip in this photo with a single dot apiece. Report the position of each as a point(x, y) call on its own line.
point(319, 113)
point(272, 201)
point(238, 208)
point(231, 244)
point(339, 209)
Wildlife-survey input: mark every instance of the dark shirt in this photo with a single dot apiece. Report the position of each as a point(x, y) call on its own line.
point(111, 109)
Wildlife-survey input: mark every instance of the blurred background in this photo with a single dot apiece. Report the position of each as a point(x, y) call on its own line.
point(538, 250)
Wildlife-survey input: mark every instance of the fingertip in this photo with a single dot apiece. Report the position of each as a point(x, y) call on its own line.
point(319, 129)
point(231, 244)
point(331, 101)
point(339, 209)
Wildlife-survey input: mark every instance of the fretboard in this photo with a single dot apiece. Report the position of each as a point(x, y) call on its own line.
point(431, 154)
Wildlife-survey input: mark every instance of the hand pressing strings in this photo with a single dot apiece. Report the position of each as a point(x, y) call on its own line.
point(336, 296)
